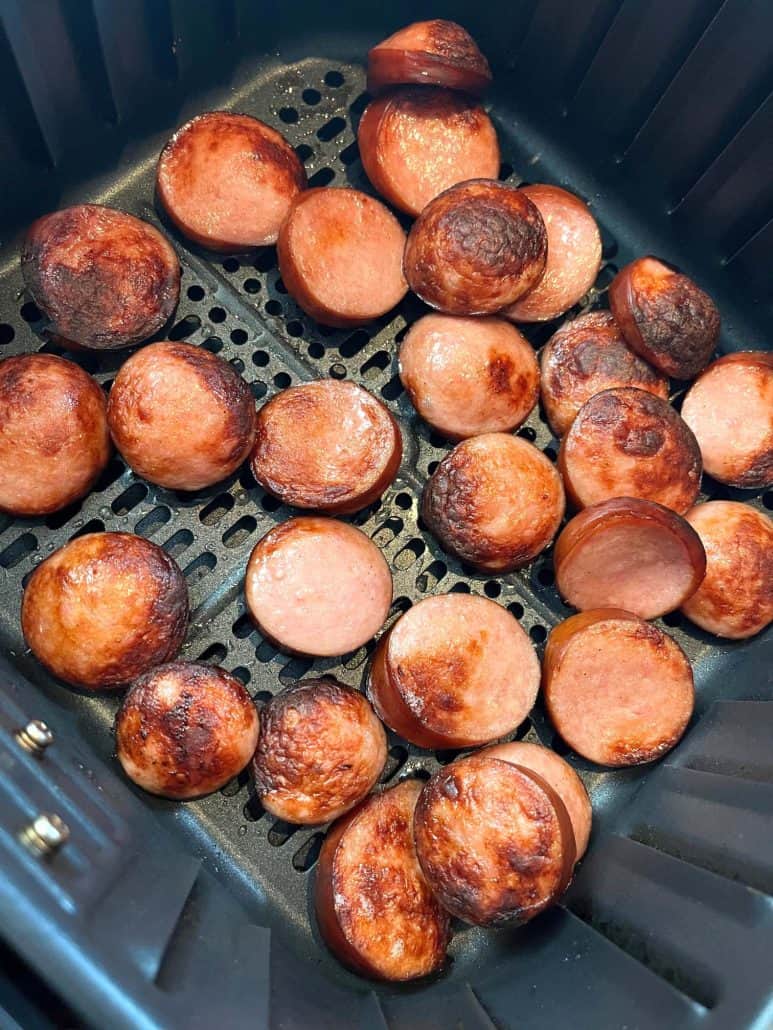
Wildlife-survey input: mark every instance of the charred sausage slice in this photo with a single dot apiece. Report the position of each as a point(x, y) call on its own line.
point(321, 750)
point(326, 445)
point(416, 142)
point(105, 279)
point(495, 501)
point(436, 52)
point(316, 586)
point(618, 690)
point(54, 440)
point(494, 840)
point(104, 609)
point(454, 671)
point(227, 181)
point(627, 442)
point(374, 907)
point(574, 255)
point(730, 410)
point(583, 358)
point(340, 256)
point(735, 599)
point(628, 553)
point(468, 376)
point(185, 729)
point(665, 317)
point(476, 248)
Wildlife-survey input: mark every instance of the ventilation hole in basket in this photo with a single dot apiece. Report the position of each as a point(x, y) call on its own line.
point(353, 344)
point(21, 548)
point(184, 328)
point(217, 314)
point(253, 810)
point(232, 788)
point(431, 576)
point(231, 264)
point(30, 312)
point(178, 542)
point(404, 501)
point(538, 634)
point(150, 524)
point(505, 171)
point(260, 358)
point(288, 115)
point(460, 588)
point(436, 439)
point(331, 129)
point(243, 627)
point(350, 154)
point(400, 606)
point(295, 669)
point(337, 370)
point(527, 433)
point(264, 652)
point(767, 500)
point(397, 756)
point(6, 333)
point(673, 619)
point(273, 307)
point(200, 567)
point(238, 336)
point(447, 755)
point(402, 334)
point(282, 380)
point(377, 363)
point(281, 832)
point(213, 344)
point(213, 512)
point(242, 674)
point(259, 389)
point(213, 655)
point(334, 78)
point(129, 499)
point(92, 526)
point(492, 589)
point(308, 853)
point(304, 151)
point(251, 286)
point(311, 97)
point(322, 177)
point(432, 467)
point(236, 363)
point(57, 519)
point(236, 535)
point(417, 774)
point(392, 390)
point(295, 328)
point(550, 452)
point(407, 557)
point(387, 531)
point(546, 576)
point(358, 105)
point(316, 350)
point(269, 503)
point(195, 292)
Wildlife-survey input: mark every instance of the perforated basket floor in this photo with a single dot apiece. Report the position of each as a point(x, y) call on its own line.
point(681, 864)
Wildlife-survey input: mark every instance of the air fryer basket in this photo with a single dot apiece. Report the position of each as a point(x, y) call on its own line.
point(158, 914)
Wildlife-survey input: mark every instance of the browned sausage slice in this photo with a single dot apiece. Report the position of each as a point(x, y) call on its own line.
point(340, 256)
point(629, 443)
point(618, 690)
point(495, 501)
point(54, 440)
point(436, 52)
point(467, 376)
point(316, 586)
point(585, 357)
point(104, 278)
point(454, 671)
point(416, 142)
point(105, 608)
point(227, 181)
point(574, 255)
point(180, 416)
point(374, 907)
point(185, 729)
point(321, 750)
point(476, 248)
point(494, 840)
point(558, 774)
point(735, 599)
point(665, 317)
point(730, 410)
point(326, 445)
point(628, 553)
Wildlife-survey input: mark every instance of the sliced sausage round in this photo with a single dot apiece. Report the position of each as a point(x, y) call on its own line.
point(494, 840)
point(54, 440)
point(735, 599)
point(559, 775)
point(627, 442)
point(327, 445)
point(103, 278)
point(495, 501)
point(417, 141)
point(454, 671)
point(181, 417)
point(476, 248)
point(628, 553)
point(321, 751)
point(436, 52)
point(340, 256)
point(730, 410)
point(583, 358)
point(665, 317)
point(227, 181)
point(374, 908)
point(185, 729)
point(618, 690)
point(318, 587)
point(574, 255)
point(467, 376)
point(104, 609)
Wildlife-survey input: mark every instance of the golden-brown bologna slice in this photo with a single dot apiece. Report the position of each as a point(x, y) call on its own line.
point(321, 750)
point(494, 840)
point(617, 689)
point(374, 907)
point(436, 52)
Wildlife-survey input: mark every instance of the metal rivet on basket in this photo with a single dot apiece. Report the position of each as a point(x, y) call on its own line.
point(35, 737)
point(45, 834)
